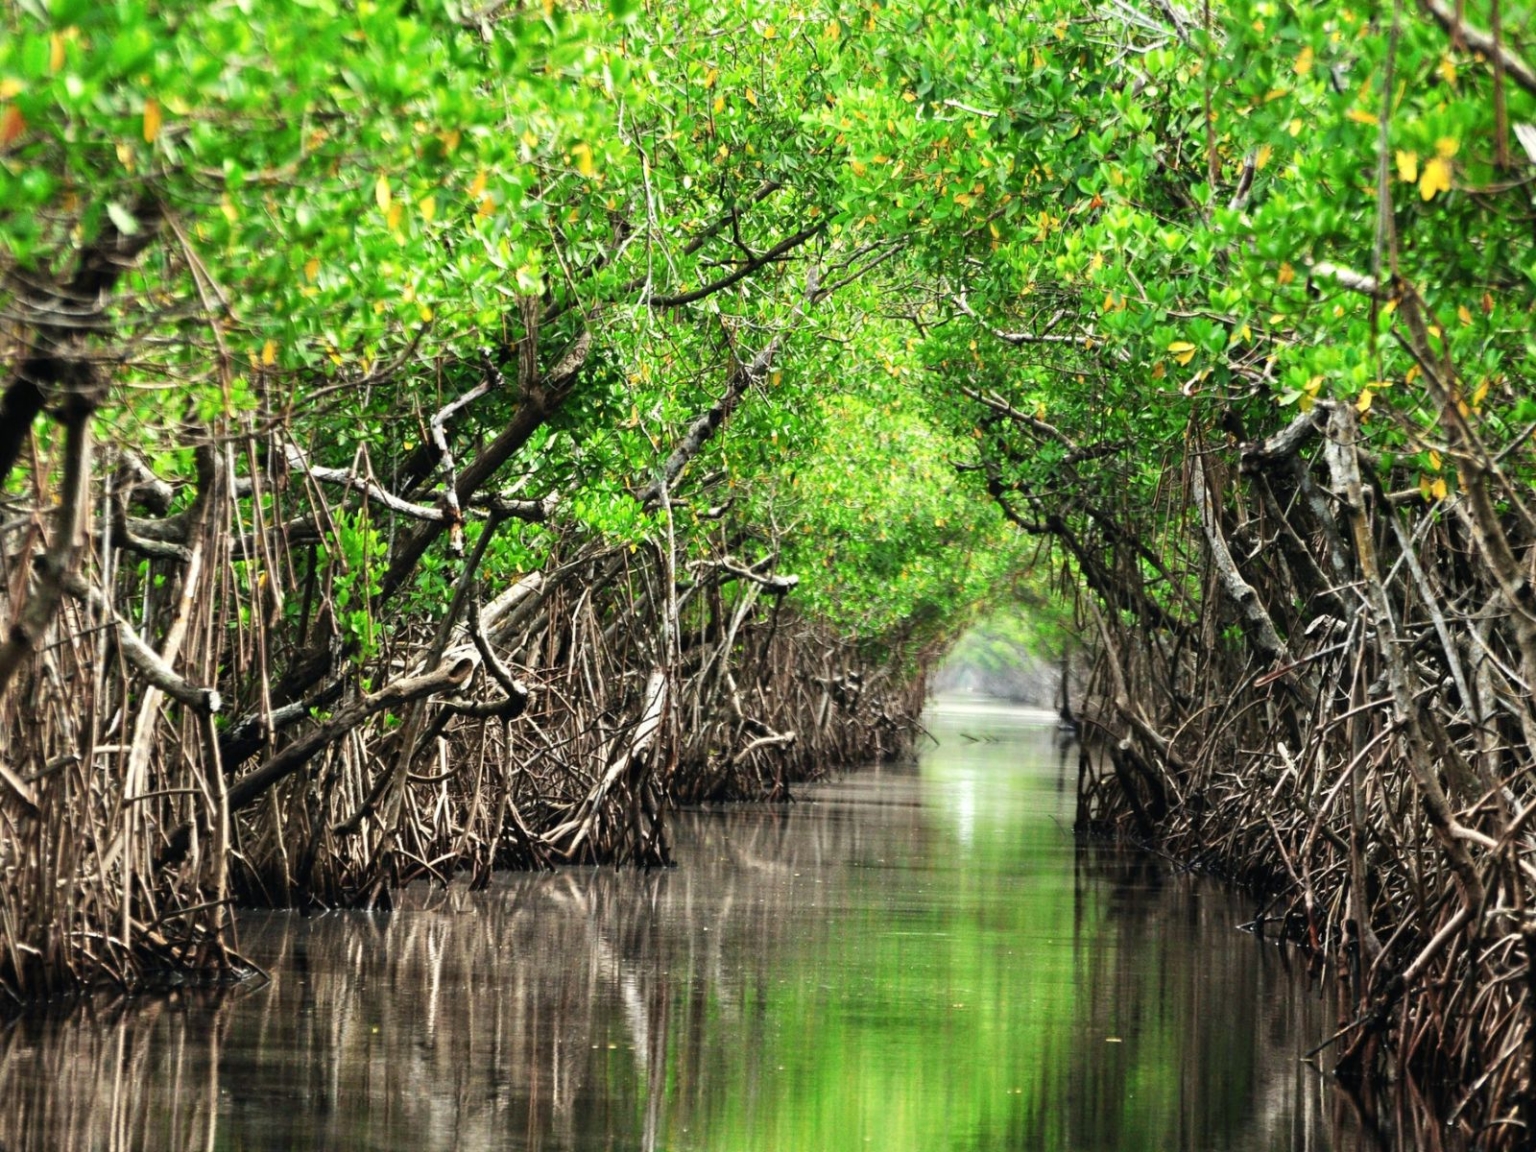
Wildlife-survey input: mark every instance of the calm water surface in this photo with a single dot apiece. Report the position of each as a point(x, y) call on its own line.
point(907, 959)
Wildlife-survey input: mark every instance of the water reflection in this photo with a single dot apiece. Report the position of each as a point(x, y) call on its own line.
point(909, 959)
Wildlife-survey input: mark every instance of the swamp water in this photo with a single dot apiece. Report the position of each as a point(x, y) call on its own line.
point(909, 959)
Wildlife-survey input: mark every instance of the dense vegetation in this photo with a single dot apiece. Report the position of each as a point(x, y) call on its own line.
point(439, 437)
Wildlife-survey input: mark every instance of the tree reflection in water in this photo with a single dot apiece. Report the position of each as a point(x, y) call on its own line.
point(911, 958)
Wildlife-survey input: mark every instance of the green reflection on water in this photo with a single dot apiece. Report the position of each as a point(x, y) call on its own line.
point(973, 989)
point(917, 958)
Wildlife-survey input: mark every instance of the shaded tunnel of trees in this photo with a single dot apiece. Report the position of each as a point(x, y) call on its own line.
point(438, 438)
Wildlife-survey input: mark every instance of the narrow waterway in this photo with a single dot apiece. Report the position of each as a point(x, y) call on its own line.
point(910, 958)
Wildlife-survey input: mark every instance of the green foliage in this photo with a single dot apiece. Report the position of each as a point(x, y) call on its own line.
point(362, 195)
point(873, 517)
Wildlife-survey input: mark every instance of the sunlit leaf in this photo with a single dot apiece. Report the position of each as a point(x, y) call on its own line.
point(1435, 178)
point(125, 221)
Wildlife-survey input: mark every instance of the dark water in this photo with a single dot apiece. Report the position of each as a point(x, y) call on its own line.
point(907, 959)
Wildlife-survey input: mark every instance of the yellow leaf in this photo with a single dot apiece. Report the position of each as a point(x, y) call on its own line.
point(486, 208)
point(1408, 167)
point(477, 187)
point(1304, 61)
point(583, 155)
point(1447, 70)
point(1481, 393)
point(1361, 116)
point(1285, 275)
point(269, 353)
point(710, 77)
point(1434, 460)
point(1261, 157)
point(56, 52)
point(1363, 404)
point(151, 120)
point(1294, 127)
point(428, 207)
point(1435, 178)
point(227, 206)
point(1437, 489)
point(529, 139)
point(1183, 351)
point(770, 32)
point(719, 104)
point(1424, 486)
point(10, 86)
point(834, 29)
point(392, 217)
point(909, 96)
point(1464, 314)
point(312, 268)
point(858, 167)
point(1445, 147)
point(992, 228)
point(751, 97)
point(381, 193)
point(1159, 370)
